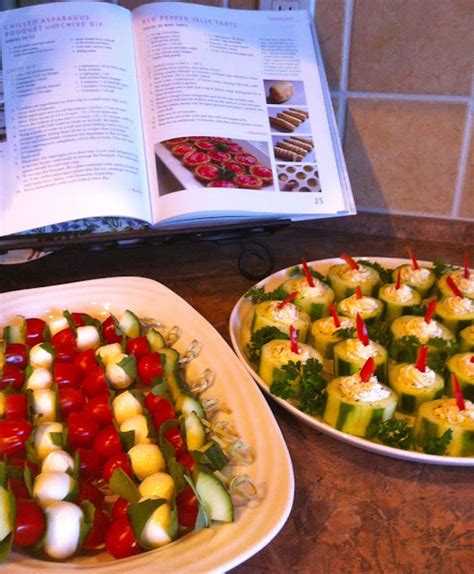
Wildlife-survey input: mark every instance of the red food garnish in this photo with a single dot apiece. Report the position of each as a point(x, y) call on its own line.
point(235, 167)
point(472, 359)
point(362, 330)
point(337, 321)
point(430, 311)
point(221, 183)
point(219, 156)
point(307, 272)
point(457, 392)
point(452, 285)
point(421, 358)
point(412, 257)
point(358, 292)
point(466, 266)
point(367, 370)
point(348, 259)
point(399, 278)
point(288, 299)
point(294, 340)
point(248, 181)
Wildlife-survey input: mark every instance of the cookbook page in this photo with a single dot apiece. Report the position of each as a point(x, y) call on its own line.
point(233, 100)
point(73, 142)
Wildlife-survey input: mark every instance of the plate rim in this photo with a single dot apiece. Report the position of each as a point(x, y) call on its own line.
point(23, 563)
point(359, 442)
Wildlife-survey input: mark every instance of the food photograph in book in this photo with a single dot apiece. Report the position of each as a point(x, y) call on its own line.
point(294, 148)
point(285, 92)
point(3, 127)
point(298, 178)
point(213, 161)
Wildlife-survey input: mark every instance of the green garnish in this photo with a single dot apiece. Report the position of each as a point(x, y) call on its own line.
point(405, 350)
point(346, 333)
point(380, 333)
point(440, 268)
point(298, 271)
point(260, 337)
point(393, 432)
point(385, 274)
point(258, 294)
point(438, 445)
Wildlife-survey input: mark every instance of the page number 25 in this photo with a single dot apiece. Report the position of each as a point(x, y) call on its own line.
point(318, 200)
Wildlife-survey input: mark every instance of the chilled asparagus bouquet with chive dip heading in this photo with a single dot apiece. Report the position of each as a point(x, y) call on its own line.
point(103, 441)
point(380, 353)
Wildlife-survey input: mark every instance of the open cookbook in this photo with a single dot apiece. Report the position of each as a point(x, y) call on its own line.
point(172, 115)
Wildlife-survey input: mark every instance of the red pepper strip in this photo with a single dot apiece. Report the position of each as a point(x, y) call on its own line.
point(358, 292)
point(337, 322)
point(294, 340)
point(421, 358)
point(348, 259)
point(457, 392)
point(412, 257)
point(307, 272)
point(399, 278)
point(472, 359)
point(466, 266)
point(367, 370)
point(362, 331)
point(430, 311)
point(452, 285)
point(288, 299)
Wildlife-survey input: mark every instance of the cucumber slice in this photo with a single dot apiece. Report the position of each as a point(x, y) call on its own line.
point(130, 325)
point(421, 279)
point(398, 302)
point(369, 308)
point(212, 454)
point(461, 365)
point(15, 333)
point(173, 378)
point(195, 432)
point(214, 496)
point(344, 280)
point(155, 339)
point(414, 388)
point(323, 335)
point(350, 356)
point(433, 420)
point(466, 339)
point(7, 512)
point(187, 404)
point(268, 314)
point(465, 285)
point(413, 325)
point(456, 313)
point(352, 415)
point(313, 300)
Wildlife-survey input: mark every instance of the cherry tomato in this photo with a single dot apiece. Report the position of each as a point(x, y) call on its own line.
point(16, 354)
point(82, 430)
point(187, 507)
point(95, 382)
point(12, 376)
point(120, 508)
point(173, 436)
point(71, 400)
point(110, 331)
point(22, 462)
point(188, 461)
point(85, 361)
point(64, 337)
point(121, 460)
point(18, 487)
point(65, 353)
point(13, 436)
point(98, 408)
point(149, 366)
point(120, 539)
point(107, 442)
point(138, 346)
point(30, 523)
point(16, 406)
point(90, 492)
point(80, 319)
point(160, 408)
point(66, 375)
point(90, 463)
point(35, 331)
point(96, 535)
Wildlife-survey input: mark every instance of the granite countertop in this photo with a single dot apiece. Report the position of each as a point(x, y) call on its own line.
point(354, 511)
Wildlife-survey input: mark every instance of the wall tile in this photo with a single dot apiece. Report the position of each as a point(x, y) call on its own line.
point(329, 19)
point(244, 4)
point(412, 46)
point(131, 4)
point(467, 202)
point(403, 156)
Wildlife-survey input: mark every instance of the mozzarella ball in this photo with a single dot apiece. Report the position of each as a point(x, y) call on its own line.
point(57, 460)
point(40, 357)
point(107, 352)
point(40, 378)
point(139, 424)
point(158, 485)
point(155, 533)
point(146, 460)
point(118, 378)
point(52, 486)
point(125, 406)
point(44, 404)
point(87, 337)
point(43, 443)
point(63, 527)
point(57, 324)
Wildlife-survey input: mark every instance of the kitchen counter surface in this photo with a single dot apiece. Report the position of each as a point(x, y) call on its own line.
point(353, 511)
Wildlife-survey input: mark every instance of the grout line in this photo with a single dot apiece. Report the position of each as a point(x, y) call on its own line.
point(417, 97)
point(224, 3)
point(389, 211)
point(463, 161)
point(345, 60)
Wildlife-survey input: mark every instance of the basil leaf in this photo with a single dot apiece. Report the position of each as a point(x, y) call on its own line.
point(129, 365)
point(123, 485)
point(127, 438)
point(86, 523)
point(140, 513)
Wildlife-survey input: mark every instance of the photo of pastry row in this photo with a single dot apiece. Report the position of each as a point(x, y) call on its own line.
point(294, 148)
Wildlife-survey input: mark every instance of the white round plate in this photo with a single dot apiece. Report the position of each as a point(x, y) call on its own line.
point(223, 546)
point(239, 334)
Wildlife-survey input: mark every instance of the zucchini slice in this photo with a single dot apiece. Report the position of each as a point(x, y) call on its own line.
point(462, 366)
point(214, 496)
point(130, 325)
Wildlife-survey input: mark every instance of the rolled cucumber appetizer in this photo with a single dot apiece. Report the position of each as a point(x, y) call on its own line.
point(420, 278)
point(462, 365)
point(413, 386)
point(282, 316)
point(399, 300)
point(314, 300)
point(354, 406)
point(369, 308)
point(463, 281)
point(278, 353)
point(324, 335)
point(351, 354)
point(456, 313)
point(345, 277)
point(466, 339)
point(435, 418)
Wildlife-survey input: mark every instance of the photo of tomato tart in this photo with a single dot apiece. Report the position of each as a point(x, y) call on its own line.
point(206, 172)
point(246, 159)
point(221, 183)
point(204, 145)
point(181, 150)
point(219, 156)
point(195, 158)
point(262, 172)
point(175, 141)
point(248, 182)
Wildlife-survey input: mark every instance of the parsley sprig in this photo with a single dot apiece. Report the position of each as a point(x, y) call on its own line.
point(385, 274)
point(258, 294)
point(440, 268)
point(406, 348)
point(393, 432)
point(298, 271)
point(259, 338)
point(438, 445)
